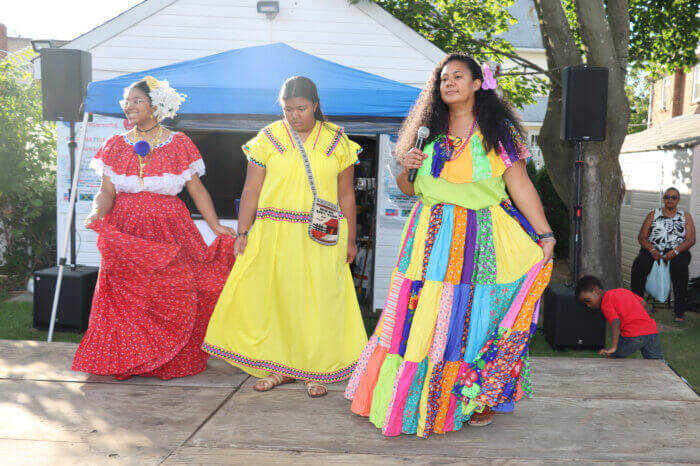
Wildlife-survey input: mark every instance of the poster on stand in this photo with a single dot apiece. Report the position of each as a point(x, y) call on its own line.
point(393, 206)
point(99, 130)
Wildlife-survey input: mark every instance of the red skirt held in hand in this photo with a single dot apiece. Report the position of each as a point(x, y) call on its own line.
point(157, 287)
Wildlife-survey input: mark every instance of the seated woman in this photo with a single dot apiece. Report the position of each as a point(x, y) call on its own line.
point(668, 234)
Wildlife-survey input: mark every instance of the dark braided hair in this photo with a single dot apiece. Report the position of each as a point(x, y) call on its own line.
point(430, 111)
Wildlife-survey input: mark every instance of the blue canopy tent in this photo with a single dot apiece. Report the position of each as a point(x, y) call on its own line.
point(237, 90)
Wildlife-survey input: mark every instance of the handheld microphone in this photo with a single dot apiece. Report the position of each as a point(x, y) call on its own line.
point(423, 134)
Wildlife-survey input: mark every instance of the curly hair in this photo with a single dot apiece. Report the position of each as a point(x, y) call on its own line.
point(430, 110)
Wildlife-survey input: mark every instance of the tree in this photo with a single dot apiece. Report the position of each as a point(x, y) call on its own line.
point(599, 33)
point(656, 35)
point(473, 26)
point(27, 178)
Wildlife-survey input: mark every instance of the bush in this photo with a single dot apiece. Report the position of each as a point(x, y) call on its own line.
point(27, 179)
point(557, 213)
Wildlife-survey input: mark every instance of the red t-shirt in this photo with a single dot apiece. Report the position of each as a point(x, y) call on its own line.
point(624, 305)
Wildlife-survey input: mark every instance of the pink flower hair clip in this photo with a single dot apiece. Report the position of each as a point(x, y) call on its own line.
point(489, 81)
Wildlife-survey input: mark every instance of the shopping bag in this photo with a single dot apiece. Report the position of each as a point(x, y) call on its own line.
point(659, 281)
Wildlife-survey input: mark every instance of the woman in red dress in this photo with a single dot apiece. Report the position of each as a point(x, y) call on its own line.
point(158, 281)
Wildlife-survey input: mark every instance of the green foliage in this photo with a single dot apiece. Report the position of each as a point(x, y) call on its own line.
point(27, 178)
point(470, 26)
point(637, 89)
point(664, 34)
point(554, 208)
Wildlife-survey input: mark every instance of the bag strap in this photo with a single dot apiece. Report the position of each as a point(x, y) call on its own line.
point(307, 165)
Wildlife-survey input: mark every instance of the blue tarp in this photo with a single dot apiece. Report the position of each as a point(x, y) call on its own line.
point(247, 81)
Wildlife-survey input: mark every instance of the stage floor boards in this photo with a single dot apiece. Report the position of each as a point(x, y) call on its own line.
point(584, 411)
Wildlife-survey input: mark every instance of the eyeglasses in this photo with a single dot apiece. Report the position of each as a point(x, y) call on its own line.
point(126, 102)
point(670, 197)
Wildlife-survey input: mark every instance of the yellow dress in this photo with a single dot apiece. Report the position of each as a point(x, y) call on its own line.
point(289, 306)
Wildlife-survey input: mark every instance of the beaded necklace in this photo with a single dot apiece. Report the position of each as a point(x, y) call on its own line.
point(443, 151)
point(144, 148)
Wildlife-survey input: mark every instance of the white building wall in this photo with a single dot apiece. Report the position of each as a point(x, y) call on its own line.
point(694, 209)
point(329, 29)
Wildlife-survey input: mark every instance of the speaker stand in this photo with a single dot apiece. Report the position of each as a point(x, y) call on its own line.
point(70, 224)
point(578, 212)
point(71, 148)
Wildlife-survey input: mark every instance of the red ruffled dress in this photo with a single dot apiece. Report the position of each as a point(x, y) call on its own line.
point(158, 281)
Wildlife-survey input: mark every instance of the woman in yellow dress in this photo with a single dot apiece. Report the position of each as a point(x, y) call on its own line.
point(288, 310)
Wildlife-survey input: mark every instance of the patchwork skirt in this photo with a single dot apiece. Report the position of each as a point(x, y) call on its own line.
point(453, 336)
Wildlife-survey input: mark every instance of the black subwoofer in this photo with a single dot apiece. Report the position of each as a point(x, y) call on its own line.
point(568, 323)
point(74, 304)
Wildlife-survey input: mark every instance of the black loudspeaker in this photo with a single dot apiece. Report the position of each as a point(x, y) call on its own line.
point(74, 305)
point(65, 75)
point(568, 322)
point(584, 109)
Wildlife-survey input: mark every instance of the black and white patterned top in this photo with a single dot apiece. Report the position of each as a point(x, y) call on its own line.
point(667, 232)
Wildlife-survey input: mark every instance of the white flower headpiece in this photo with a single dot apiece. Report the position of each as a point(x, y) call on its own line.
point(166, 99)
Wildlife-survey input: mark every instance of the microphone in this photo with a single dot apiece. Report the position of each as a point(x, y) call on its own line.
point(423, 134)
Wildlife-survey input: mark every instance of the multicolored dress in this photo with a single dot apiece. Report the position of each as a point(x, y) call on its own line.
point(289, 306)
point(158, 280)
point(463, 302)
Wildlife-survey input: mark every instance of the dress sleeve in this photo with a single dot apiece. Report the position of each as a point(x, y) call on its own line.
point(259, 149)
point(103, 160)
point(513, 147)
point(349, 153)
point(191, 158)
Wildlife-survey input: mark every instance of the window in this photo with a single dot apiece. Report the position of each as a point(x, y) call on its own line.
point(696, 83)
point(664, 87)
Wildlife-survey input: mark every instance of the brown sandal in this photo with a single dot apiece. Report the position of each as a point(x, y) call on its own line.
point(481, 419)
point(314, 386)
point(270, 382)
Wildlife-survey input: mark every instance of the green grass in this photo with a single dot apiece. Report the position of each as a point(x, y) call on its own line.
point(16, 324)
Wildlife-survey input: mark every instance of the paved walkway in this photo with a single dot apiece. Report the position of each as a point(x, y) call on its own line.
point(584, 411)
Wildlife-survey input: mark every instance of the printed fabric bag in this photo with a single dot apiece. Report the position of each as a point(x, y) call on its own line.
point(324, 224)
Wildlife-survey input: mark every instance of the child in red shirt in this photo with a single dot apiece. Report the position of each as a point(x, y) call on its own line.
point(632, 328)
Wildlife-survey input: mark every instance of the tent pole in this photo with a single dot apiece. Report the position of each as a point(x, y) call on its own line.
point(69, 222)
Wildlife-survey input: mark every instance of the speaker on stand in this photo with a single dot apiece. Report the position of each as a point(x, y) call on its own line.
point(65, 75)
point(583, 118)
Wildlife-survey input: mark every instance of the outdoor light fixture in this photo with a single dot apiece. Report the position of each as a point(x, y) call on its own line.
point(269, 8)
point(42, 44)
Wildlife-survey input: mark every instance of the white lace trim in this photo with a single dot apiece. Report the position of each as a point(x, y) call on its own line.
point(167, 183)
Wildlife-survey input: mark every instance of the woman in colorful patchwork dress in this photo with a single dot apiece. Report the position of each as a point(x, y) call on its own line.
point(451, 344)
point(289, 309)
point(158, 281)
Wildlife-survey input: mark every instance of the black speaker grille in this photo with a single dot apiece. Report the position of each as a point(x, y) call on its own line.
point(584, 103)
point(65, 75)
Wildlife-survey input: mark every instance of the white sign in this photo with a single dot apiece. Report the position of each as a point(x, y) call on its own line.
point(99, 130)
point(393, 206)
point(393, 210)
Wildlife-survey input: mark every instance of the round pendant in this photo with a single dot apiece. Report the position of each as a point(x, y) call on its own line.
point(142, 148)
